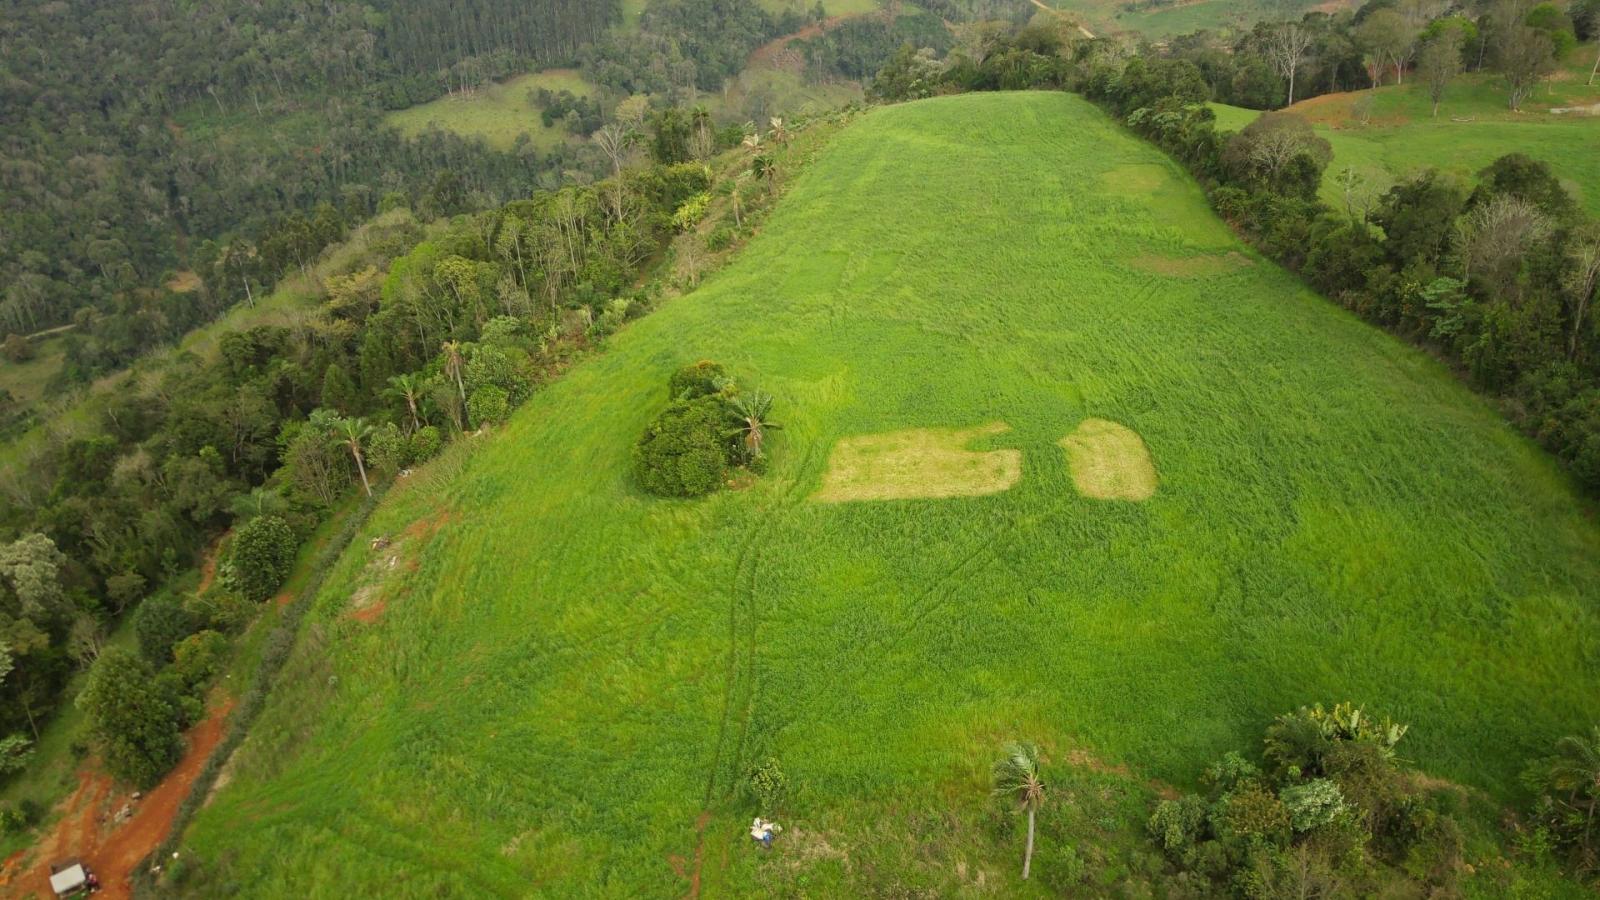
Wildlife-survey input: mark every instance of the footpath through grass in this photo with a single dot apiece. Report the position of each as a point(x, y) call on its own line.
point(556, 686)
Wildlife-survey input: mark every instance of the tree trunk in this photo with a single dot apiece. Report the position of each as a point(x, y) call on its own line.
point(411, 403)
point(1596, 69)
point(360, 467)
point(1027, 855)
point(1291, 88)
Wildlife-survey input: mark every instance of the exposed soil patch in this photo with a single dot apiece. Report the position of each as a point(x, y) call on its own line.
point(208, 566)
point(1109, 461)
point(184, 283)
point(392, 557)
point(1192, 266)
point(88, 830)
point(919, 463)
point(775, 54)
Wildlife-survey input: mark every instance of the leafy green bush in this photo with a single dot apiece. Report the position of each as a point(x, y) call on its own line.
point(159, 623)
point(488, 405)
point(134, 715)
point(425, 444)
point(684, 452)
point(262, 554)
point(1313, 804)
point(1178, 825)
point(768, 786)
point(198, 657)
point(697, 380)
point(1251, 815)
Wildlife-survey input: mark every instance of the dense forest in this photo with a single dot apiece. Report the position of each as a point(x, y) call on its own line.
point(103, 186)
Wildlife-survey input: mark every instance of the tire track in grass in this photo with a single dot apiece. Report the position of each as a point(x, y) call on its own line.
point(746, 565)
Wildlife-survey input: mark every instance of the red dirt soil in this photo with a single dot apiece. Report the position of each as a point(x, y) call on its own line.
point(208, 569)
point(771, 54)
point(111, 852)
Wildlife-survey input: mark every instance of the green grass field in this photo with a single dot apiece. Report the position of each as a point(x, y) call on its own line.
point(568, 678)
point(1473, 128)
point(1183, 17)
point(497, 113)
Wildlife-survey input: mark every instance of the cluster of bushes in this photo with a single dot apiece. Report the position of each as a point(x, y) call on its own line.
point(275, 653)
point(1327, 811)
point(578, 115)
point(709, 427)
point(419, 338)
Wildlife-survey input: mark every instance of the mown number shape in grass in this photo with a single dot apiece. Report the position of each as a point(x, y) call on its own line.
point(1109, 461)
point(919, 463)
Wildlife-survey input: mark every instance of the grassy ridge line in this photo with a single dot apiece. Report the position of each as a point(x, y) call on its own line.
point(280, 643)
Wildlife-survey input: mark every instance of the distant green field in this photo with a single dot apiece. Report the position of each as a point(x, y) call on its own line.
point(497, 113)
point(26, 381)
point(1183, 17)
point(1473, 128)
point(568, 679)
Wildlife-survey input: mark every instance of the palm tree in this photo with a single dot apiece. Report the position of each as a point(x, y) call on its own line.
point(408, 387)
point(779, 133)
point(453, 366)
point(765, 168)
point(1575, 770)
point(750, 412)
point(350, 433)
point(1017, 776)
point(700, 121)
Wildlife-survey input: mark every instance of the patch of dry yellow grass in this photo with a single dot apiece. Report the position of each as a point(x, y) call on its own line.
point(1109, 461)
point(919, 463)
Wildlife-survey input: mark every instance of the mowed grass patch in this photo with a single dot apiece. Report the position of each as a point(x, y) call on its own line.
point(498, 113)
point(565, 696)
point(1109, 461)
point(919, 462)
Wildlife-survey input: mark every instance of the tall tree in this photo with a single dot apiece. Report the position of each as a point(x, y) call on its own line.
point(1017, 777)
point(1439, 63)
point(1524, 55)
point(1286, 46)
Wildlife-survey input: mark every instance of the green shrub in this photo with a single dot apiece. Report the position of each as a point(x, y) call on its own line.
point(1228, 773)
point(768, 786)
point(1178, 825)
point(134, 715)
point(1060, 867)
point(1313, 804)
point(12, 821)
point(697, 380)
point(425, 444)
point(488, 405)
point(684, 452)
point(386, 450)
point(262, 555)
point(198, 657)
point(719, 239)
point(1252, 815)
point(159, 623)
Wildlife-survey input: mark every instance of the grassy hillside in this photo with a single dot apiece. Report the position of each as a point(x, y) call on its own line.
point(1473, 128)
point(497, 113)
point(1184, 16)
point(555, 684)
